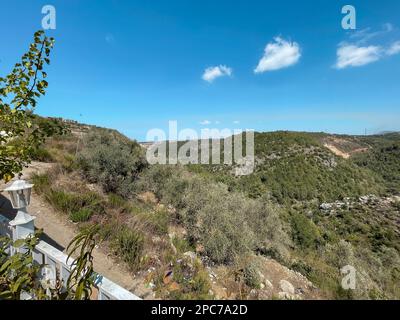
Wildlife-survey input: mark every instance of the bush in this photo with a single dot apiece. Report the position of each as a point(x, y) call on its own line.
point(112, 162)
point(190, 279)
point(159, 221)
point(252, 276)
point(41, 182)
point(168, 183)
point(41, 154)
point(117, 202)
point(226, 223)
point(217, 219)
point(129, 245)
point(81, 215)
point(305, 232)
point(182, 245)
point(73, 203)
point(109, 230)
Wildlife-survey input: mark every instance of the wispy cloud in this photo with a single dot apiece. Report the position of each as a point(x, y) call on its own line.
point(205, 122)
point(357, 52)
point(212, 73)
point(393, 49)
point(236, 122)
point(352, 56)
point(365, 35)
point(278, 54)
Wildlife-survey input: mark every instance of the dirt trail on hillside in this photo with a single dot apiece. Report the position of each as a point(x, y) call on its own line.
point(336, 151)
point(59, 232)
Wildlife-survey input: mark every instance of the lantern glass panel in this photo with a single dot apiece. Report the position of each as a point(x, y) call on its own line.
point(20, 198)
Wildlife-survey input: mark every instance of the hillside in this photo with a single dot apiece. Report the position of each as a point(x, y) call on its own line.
point(315, 203)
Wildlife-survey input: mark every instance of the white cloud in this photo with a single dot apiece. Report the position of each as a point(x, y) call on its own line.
point(211, 73)
point(393, 49)
point(277, 55)
point(350, 55)
point(236, 122)
point(205, 122)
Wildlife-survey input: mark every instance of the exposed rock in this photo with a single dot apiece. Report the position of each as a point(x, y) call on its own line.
point(299, 291)
point(326, 206)
point(268, 284)
point(156, 239)
point(191, 255)
point(286, 287)
point(253, 293)
point(286, 296)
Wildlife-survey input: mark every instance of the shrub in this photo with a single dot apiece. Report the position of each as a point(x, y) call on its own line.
point(81, 215)
point(69, 163)
point(129, 245)
point(182, 245)
point(168, 183)
point(189, 280)
point(218, 220)
point(41, 182)
point(159, 221)
point(72, 203)
point(112, 162)
point(226, 223)
point(42, 154)
point(251, 275)
point(62, 201)
point(305, 232)
point(110, 229)
point(302, 267)
point(117, 202)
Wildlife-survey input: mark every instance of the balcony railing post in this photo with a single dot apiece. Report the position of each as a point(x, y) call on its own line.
point(22, 228)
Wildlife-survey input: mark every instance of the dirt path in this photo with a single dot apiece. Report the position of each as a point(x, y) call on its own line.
point(59, 232)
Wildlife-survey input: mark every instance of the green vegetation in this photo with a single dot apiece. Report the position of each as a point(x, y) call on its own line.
point(251, 275)
point(294, 166)
point(18, 274)
point(186, 280)
point(274, 212)
point(129, 245)
point(112, 161)
point(384, 160)
point(22, 133)
point(226, 223)
point(305, 232)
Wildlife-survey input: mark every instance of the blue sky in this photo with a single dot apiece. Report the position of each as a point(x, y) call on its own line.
point(135, 65)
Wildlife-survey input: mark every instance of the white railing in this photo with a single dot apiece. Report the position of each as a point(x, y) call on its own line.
point(58, 266)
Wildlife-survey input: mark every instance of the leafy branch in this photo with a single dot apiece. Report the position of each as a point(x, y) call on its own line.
point(21, 132)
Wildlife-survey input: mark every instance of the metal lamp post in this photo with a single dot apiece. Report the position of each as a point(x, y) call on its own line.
point(20, 195)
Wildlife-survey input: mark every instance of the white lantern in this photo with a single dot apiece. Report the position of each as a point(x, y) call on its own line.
point(20, 194)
